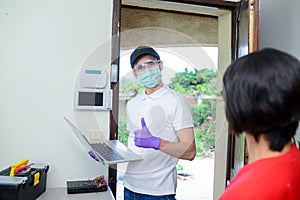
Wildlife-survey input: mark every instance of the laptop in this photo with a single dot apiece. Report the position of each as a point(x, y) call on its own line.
point(109, 152)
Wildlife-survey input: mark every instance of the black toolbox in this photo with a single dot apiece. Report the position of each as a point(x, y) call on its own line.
point(27, 187)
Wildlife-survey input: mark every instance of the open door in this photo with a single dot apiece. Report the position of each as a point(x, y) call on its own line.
point(247, 23)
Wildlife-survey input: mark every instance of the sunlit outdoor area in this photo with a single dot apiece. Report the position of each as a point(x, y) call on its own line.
point(192, 72)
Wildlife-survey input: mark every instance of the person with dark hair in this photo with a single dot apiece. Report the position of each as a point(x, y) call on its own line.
point(262, 100)
point(160, 127)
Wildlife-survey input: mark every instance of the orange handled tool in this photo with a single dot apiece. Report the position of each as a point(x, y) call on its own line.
point(22, 167)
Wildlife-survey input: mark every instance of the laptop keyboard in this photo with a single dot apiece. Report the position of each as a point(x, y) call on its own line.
point(107, 153)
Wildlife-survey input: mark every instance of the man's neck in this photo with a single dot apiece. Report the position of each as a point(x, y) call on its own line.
point(150, 91)
point(260, 150)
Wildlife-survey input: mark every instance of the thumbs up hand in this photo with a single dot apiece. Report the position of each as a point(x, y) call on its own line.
point(143, 137)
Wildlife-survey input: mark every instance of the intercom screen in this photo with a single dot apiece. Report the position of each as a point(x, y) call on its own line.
point(90, 99)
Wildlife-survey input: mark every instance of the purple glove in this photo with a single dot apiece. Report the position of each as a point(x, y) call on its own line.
point(93, 156)
point(143, 137)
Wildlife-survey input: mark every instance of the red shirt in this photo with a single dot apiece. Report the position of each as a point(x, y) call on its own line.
point(276, 178)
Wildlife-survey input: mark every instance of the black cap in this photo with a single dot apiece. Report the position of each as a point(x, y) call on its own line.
point(140, 51)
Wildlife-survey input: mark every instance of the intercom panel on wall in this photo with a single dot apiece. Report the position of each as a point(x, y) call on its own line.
point(92, 92)
point(93, 99)
point(93, 78)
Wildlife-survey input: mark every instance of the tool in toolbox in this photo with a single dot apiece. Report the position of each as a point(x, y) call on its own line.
point(17, 165)
point(22, 167)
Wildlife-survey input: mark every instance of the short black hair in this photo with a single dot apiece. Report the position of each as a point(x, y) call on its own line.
point(262, 96)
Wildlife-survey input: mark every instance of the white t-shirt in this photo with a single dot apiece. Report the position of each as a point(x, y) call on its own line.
point(164, 112)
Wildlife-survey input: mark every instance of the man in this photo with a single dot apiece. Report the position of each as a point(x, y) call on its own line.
point(262, 99)
point(161, 131)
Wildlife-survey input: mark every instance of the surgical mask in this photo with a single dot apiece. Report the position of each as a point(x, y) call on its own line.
point(150, 78)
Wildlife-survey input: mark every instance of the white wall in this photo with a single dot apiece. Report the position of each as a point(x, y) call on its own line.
point(42, 47)
point(279, 25)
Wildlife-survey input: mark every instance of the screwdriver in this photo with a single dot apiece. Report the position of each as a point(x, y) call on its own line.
point(22, 167)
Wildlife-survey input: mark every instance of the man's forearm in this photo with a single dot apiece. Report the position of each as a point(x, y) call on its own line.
point(183, 150)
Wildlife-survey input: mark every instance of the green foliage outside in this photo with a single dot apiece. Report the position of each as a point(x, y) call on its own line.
point(205, 137)
point(129, 86)
point(179, 168)
point(199, 85)
point(195, 82)
point(122, 130)
point(204, 120)
point(296, 142)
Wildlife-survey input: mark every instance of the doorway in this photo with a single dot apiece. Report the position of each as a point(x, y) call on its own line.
point(223, 43)
point(202, 98)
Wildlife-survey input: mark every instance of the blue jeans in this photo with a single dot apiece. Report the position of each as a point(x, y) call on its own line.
point(129, 195)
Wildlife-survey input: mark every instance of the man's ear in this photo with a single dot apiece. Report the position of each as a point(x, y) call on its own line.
point(161, 65)
point(134, 74)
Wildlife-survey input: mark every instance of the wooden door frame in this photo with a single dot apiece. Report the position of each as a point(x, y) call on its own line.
point(114, 113)
point(247, 40)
